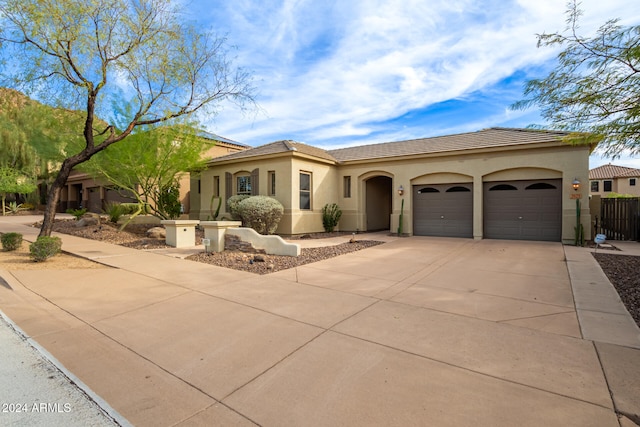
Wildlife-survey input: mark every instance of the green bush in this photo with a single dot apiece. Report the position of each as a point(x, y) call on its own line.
point(114, 210)
point(614, 195)
point(131, 208)
point(77, 213)
point(45, 247)
point(11, 241)
point(169, 204)
point(261, 213)
point(330, 216)
point(232, 205)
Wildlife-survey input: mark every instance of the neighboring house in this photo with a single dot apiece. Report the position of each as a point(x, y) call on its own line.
point(495, 183)
point(83, 191)
point(607, 179)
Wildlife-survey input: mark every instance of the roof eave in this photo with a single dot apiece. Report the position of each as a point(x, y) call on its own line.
point(217, 161)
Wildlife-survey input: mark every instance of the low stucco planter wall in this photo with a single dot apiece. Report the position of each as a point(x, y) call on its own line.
point(215, 231)
point(273, 245)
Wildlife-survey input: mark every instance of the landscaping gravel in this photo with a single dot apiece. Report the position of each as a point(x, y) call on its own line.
point(264, 264)
point(134, 237)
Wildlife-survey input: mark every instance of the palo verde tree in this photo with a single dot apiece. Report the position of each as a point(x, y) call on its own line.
point(595, 86)
point(149, 165)
point(79, 53)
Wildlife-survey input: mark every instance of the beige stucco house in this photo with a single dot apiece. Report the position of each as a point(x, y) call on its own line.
point(82, 190)
point(607, 179)
point(494, 183)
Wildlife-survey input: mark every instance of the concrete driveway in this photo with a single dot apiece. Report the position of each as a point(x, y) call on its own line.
point(418, 331)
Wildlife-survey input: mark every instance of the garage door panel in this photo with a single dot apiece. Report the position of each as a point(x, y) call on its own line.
point(443, 210)
point(523, 210)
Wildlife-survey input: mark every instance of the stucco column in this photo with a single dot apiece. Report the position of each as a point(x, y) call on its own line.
point(215, 230)
point(180, 233)
point(478, 196)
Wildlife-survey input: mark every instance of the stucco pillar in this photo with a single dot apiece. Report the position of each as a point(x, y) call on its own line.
point(215, 230)
point(478, 197)
point(181, 233)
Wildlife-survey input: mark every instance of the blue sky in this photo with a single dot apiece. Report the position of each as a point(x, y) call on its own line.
point(341, 73)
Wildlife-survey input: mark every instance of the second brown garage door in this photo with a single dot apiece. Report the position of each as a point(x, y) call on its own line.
point(443, 210)
point(523, 210)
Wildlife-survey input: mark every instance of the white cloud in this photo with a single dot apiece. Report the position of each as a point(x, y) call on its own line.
point(330, 70)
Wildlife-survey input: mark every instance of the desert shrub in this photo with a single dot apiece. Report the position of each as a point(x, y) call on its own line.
point(232, 205)
point(614, 195)
point(13, 208)
point(11, 241)
point(169, 205)
point(114, 210)
point(261, 213)
point(77, 213)
point(131, 208)
point(330, 216)
point(45, 247)
point(28, 206)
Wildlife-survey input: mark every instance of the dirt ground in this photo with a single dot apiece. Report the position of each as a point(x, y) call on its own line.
point(21, 260)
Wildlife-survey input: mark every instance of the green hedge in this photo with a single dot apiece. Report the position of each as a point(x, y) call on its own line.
point(11, 241)
point(45, 247)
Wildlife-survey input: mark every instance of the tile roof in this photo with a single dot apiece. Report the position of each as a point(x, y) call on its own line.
point(487, 138)
point(278, 147)
point(613, 171)
point(493, 137)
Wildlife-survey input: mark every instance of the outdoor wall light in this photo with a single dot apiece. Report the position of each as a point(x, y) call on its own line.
point(575, 184)
point(401, 190)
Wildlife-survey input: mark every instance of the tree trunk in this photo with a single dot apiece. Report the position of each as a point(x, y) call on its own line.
point(53, 197)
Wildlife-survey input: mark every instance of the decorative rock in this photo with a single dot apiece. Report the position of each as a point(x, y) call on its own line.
point(270, 267)
point(258, 258)
point(157, 233)
point(88, 219)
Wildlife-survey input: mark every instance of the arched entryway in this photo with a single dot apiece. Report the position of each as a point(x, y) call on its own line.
point(378, 203)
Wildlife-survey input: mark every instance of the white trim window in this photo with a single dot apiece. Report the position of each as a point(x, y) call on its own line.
point(243, 185)
point(305, 191)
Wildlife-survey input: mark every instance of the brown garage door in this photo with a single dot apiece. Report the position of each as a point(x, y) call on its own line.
point(523, 210)
point(118, 196)
point(443, 210)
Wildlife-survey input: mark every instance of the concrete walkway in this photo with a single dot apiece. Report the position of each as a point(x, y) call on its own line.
point(418, 331)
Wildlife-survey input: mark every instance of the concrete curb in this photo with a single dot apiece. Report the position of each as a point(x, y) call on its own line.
point(75, 382)
point(601, 314)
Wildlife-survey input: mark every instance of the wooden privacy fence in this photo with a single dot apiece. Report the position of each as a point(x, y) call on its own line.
point(619, 219)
